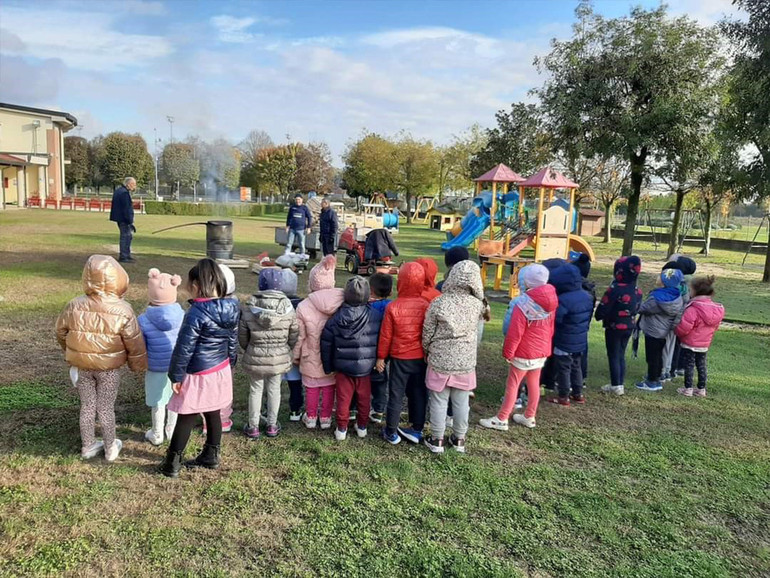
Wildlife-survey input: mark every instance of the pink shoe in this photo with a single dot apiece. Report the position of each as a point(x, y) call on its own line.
point(699, 392)
point(685, 391)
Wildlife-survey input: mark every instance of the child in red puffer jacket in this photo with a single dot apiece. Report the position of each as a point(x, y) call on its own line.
point(695, 331)
point(527, 345)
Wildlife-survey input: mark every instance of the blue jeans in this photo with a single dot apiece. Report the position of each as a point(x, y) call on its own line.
point(125, 240)
point(299, 235)
point(616, 342)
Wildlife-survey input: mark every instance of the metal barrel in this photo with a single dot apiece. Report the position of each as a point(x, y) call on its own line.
point(219, 239)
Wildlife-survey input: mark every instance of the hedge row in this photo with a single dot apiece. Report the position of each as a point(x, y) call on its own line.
point(211, 209)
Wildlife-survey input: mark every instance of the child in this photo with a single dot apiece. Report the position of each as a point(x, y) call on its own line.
point(700, 321)
point(99, 333)
point(293, 377)
point(201, 366)
point(267, 333)
point(452, 258)
point(312, 314)
point(381, 287)
point(528, 340)
point(160, 325)
point(431, 270)
point(227, 412)
point(660, 313)
point(401, 342)
point(450, 343)
point(548, 373)
point(672, 365)
point(573, 319)
point(349, 349)
point(583, 263)
point(617, 310)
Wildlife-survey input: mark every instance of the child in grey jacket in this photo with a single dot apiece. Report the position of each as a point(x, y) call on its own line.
point(660, 313)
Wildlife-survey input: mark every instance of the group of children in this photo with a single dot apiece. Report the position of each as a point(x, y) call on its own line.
point(354, 353)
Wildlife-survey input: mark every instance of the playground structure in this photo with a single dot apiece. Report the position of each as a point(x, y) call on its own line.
point(514, 239)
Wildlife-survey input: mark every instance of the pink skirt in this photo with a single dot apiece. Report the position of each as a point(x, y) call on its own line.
point(436, 381)
point(202, 392)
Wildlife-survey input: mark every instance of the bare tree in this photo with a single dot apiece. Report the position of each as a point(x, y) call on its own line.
point(612, 184)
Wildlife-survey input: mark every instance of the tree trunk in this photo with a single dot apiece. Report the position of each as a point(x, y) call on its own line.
point(766, 273)
point(673, 241)
point(408, 206)
point(707, 229)
point(637, 176)
point(608, 222)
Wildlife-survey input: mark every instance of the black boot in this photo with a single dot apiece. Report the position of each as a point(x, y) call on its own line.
point(171, 465)
point(208, 458)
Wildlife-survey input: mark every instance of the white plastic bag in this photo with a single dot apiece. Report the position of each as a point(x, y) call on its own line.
point(74, 376)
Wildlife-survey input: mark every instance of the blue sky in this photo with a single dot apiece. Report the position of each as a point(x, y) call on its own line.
point(310, 70)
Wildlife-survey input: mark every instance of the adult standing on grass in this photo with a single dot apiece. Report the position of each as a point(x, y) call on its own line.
point(122, 213)
point(328, 225)
point(298, 223)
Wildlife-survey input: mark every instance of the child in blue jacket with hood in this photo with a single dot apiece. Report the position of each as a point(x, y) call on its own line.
point(160, 325)
point(573, 319)
point(381, 286)
point(349, 348)
point(617, 311)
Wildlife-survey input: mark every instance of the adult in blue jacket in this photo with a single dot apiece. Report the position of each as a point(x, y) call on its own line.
point(328, 225)
point(122, 213)
point(349, 347)
point(573, 319)
point(298, 223)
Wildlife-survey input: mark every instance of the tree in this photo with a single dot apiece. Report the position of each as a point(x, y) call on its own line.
point(370, 166)
point(454, 160)
point(122, 155)
point(416, 169)
point(519, 140)
point(78, 171)
point(314, 168)
point(254, 143)
point(180, 165)
point(278, 166)
point(627, 86)
point(612, 182)
point(749, 100)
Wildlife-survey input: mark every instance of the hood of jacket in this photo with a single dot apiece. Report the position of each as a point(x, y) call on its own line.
point(431, 270)
point(327, 301)
point(221, 312)
point(674, 303)
point(269, 308)
point(164, 317)
point(411, 280)
point(353, 318)
point(465, 277)
point(544, 297)
point(104, 276)
point(627, 269)
point(566, 278)
point(710, 312)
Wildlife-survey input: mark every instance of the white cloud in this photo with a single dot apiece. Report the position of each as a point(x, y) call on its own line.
point(83, 40)
point(707, 12)
point(232, 29)
point(450, 39)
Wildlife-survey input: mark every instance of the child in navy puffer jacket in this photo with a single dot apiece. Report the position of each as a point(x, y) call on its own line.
point(160, 325)
point(349, 348)
point(617, 310)
point(381, 285)
point(573, 319)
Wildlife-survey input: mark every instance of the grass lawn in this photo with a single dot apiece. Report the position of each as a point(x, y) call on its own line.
point(642, 485)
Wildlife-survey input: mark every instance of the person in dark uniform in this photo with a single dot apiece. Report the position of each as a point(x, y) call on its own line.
point(122, 213)
point(329, 226)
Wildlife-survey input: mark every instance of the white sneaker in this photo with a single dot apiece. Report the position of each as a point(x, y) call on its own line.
point(450, 422)
point(494, 423)
point(525, 421)
point(361, 432)
point(309, 422)
point(152, 438)
point(616, 389)
point(112, 454)
point(326, 422)
point(93, 450)
point(340, 435)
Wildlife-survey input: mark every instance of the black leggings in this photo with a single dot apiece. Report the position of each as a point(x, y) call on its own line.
point(185, 424)
point(691, 360)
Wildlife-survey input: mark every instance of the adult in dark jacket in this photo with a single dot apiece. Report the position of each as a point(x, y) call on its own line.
point(379, 244)
point(298, 223)
point(122, 213)
point(573, 319)
point(328, 228)
point(349, 348)
point(617, 310)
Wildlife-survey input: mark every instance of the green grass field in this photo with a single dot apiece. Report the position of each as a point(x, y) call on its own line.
point(643, 485)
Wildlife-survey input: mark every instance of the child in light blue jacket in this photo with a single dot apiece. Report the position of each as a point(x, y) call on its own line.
point(160, 325)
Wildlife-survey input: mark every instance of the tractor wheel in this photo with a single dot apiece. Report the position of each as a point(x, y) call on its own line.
point(351, 264)
point(371, 270)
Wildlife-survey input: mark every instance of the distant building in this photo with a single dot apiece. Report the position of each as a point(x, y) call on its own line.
point(32, 153)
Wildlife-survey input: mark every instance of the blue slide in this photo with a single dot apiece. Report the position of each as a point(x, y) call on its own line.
point(473, 227)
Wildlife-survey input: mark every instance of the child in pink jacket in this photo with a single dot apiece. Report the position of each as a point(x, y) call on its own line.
point(695, 331)
point(312, 315)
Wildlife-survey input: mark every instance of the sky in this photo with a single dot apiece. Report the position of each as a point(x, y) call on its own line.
point(299, 70)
